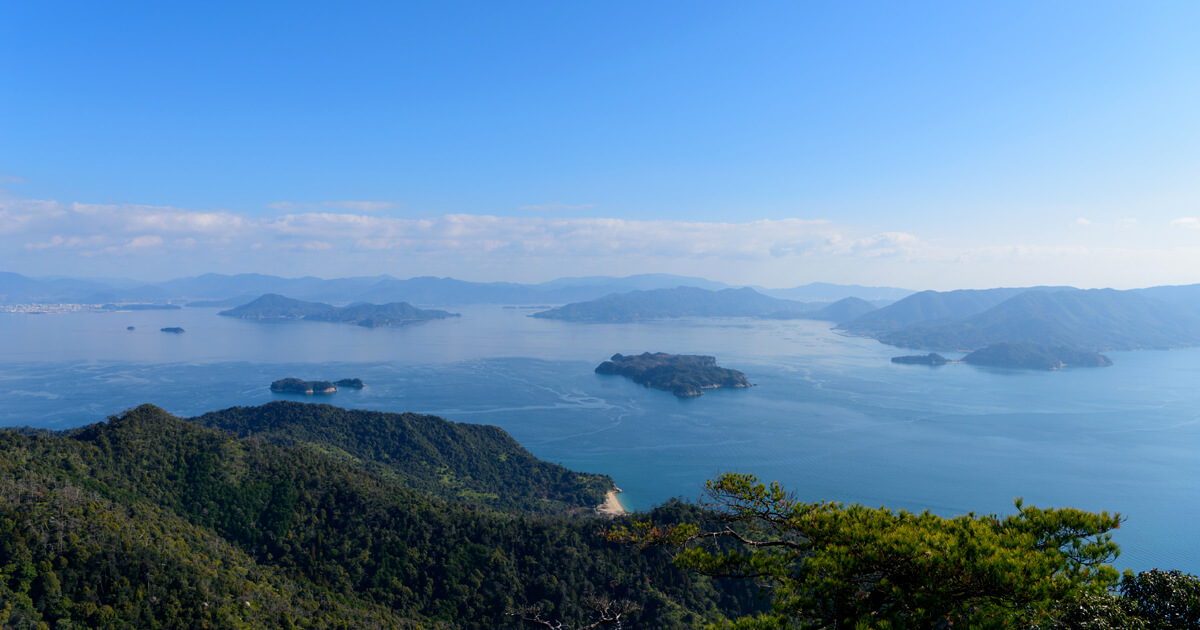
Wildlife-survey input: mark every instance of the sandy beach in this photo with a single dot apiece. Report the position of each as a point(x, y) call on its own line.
point(611, 506)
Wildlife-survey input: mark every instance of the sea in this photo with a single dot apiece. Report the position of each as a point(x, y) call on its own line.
point(830, 417)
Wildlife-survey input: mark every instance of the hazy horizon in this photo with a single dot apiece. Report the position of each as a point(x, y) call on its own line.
point(918, 146)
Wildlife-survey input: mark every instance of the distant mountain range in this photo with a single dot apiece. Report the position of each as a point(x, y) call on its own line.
point(966, 320)
point(677, 302)
point(825, 292)
point(1053, 317)
point(271, 306)
point(231, 290)
point(1092, 320)
point(694, 302)
point(843, 310)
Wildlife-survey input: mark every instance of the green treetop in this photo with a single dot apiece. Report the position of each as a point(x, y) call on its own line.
point(828, 565)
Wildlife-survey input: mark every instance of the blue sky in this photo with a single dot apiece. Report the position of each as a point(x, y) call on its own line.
point(925, 145)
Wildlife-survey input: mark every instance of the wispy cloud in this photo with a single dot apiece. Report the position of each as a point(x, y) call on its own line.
point(1082, 222)
point(366, 207)
point(12, 179)
point(557, 207)
point(362, 207)
point(46, 225)
point(332, 240)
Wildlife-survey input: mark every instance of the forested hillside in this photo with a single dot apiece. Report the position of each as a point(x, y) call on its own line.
point(455, 461)
point(152, 521)
point(1095, 320)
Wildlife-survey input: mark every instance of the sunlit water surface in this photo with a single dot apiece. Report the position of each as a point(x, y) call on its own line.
point(831, 417)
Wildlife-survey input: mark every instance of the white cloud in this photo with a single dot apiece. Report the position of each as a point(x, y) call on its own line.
point(557, 207)
point(142, 242)
point(362, 207)
point(45, 225)
point(1082, 222)
point(1126, 223)
point(366, 207)
point(125, 239)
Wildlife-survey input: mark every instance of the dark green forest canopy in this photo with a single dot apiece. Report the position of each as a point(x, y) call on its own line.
point(851, 566)
point(151, 521)
point(455, 461)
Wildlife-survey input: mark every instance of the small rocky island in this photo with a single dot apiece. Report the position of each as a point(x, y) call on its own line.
point(300, 386)
point(684, 375)
point(172, 329)
point(932, 358)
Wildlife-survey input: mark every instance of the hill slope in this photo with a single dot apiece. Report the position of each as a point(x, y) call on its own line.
point(930, 307)
point(151, 521)
point(454, 461)
point(1094, 320)
point(670, 303)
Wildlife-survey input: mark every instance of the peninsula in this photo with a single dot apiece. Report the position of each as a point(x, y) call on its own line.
point(684, 375)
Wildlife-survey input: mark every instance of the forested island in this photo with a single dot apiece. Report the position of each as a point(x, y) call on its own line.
point(684, 375)
point(1035, 356)
point(172, 329)
point(274, 307)
point(300, 386)
point(932, 358)
point(1028, 356)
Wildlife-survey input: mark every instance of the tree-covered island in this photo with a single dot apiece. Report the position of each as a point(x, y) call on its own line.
point(932, 358)
point(1024, 356)
point(273, 307)
point(681, 374)
point(1035, 356)
point(301, 386)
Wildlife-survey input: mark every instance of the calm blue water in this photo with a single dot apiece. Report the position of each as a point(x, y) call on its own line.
point(831, 417)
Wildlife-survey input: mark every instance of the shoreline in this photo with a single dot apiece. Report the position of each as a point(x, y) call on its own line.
point(611, 508)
